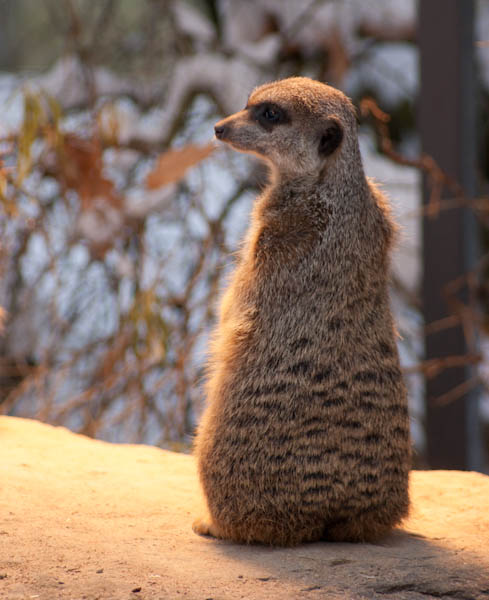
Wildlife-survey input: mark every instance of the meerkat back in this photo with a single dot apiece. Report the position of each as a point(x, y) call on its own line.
point(305, 435)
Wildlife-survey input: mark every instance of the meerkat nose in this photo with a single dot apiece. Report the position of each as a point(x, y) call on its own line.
point(220, 130)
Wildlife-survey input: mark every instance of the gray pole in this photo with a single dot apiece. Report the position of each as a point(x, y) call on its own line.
point(9, 46)
point(447, 127)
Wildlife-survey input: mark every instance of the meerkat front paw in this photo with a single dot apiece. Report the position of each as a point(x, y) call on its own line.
point(203, 526)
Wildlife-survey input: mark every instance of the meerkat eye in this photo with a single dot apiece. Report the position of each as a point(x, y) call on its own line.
point(271, 114)
point(268, 115)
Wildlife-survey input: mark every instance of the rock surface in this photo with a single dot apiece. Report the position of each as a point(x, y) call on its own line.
point(83, 519)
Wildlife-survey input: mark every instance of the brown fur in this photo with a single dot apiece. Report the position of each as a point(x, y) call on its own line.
point(306, 433)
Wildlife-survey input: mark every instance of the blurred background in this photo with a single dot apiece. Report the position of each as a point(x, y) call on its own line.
point(119, 216)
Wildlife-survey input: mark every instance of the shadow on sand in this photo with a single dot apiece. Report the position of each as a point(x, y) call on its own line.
point(405, 565)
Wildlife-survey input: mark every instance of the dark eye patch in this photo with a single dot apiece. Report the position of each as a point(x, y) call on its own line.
point(268, 115)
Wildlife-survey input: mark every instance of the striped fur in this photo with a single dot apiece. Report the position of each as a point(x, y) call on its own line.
point(305, 435)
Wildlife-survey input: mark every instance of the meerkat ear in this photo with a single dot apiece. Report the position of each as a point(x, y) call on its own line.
point(331, 137)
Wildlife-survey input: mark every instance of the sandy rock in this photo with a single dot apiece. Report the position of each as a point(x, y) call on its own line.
point(83, 519)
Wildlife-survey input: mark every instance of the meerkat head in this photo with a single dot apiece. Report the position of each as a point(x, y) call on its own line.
point(297, 125)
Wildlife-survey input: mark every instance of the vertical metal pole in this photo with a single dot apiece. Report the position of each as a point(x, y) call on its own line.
point(9, 47)
point(447, 127)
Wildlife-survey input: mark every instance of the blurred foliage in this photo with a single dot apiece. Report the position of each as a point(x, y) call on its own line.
point(114, 254)
point(114, 246)
point(127, 36)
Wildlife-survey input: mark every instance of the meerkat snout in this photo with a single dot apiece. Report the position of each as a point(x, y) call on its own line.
point(219, 131)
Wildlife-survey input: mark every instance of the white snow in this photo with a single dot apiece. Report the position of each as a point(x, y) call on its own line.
point(193, 22)
point(391, 69)
point(101, 223)
point(12, 104)
point(140, 203)
point(402, 185)
point(311, 24)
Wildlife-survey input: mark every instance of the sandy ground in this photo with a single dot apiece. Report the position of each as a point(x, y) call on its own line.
point(82, 519)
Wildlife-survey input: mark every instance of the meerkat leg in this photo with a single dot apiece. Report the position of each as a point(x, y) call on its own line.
point(205, 526)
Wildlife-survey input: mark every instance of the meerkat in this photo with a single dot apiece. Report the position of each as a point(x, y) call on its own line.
point(305, 435)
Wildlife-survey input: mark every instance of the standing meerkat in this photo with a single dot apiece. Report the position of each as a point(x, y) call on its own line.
point(305, 435)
